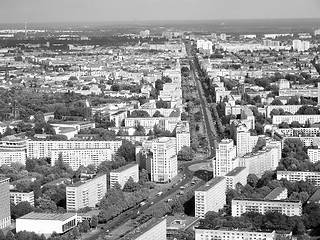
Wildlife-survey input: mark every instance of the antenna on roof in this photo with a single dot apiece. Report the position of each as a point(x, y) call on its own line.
point(25, 30)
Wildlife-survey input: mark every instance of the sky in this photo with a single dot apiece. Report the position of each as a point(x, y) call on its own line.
point(37, 11)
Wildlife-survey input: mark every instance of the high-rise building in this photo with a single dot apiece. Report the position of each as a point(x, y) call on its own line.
point(226, 158)
point(210, 197)
point(5, 215)
point(182, 135)
point(299, 45)
point(121, 175)
point(245, 142)
point(164, 164)
point(86, 194)
point(237, 175)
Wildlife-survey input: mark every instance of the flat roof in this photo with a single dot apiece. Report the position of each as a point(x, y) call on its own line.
point(77, 184)
point(125, 167)
point(48, 216)
point(265, 200)
point(142, 229)
point(275, 193)
point(315, 197)
point(210, 184)
point(235, 171)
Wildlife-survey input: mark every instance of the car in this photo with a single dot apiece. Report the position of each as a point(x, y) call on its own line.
point(151, 203)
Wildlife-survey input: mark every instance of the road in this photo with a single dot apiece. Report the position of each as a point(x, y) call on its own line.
point(117, 221)
point(211, 130)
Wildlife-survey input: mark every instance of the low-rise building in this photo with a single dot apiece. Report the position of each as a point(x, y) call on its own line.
point(121, 175)
point(235, 234)
point(237, 175)
point(209, 197)
point(17, 197)
point(46, 223)
point(302, 119)
point(296, 176)
point(289, 208)
point(86, 194)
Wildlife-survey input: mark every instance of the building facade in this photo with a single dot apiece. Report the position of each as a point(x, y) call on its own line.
point(17, 197)
point(314, 155)
point(296, 176)
point(86, 194)
point(226, 160)
point(182, 135)
point(12, 149)
point(121, 175)
point(237, 175)
point(5, 214)
point(289, 208)
point(210, 197)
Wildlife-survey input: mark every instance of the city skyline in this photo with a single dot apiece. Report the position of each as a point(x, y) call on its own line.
point(38, 11)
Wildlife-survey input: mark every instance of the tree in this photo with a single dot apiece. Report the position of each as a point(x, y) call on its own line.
point(185, 154)
point(162, 104)
point(276, 102)
point(130, 185)
point(252, 180)
point(143, 176)
point(2, 236)
point(294, 100)
point(94, 221)
point(76, 232)
point(157, 114)
point(86, 226)
point(284, 125)
point(10, 236)
point(21, 209)
point(127, 151)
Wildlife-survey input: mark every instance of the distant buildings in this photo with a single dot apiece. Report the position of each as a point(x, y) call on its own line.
point(5, 214)
point(302, 119)
point(182, 135)
point(314, 155)
point(210, 197)
point(86, 194)
point(289, 208)
point(300, 46)
point(46, 223)
point(317, 32)
point(145, 33)
point(245, 142)
point(121, 175)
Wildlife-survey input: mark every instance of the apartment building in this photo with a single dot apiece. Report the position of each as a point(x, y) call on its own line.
point(121, 175)
point(302, 119)
point(5, 214)
point(236, 175)
point(164, 163)
point(287, 108)
point(296, 176)
point(12, 149)
point(300, 46)
point(182, 135)
point(289, 208)
point(245, 142)
point(167, 123)
point(77, 157)
point(153, 229)
point(226, 158)
point(298, 132)
point(86, 194)
point(235, 234)
point(314, 155)
point(43, 148)
point(261, 161)
point(210, 197)
point(17, 197)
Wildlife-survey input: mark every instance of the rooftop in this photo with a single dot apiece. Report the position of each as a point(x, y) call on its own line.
point(48, 216)
point(315, 197)
point(265, 200)
point(125, 167)
point(235, 171)
point(275, 193)
point(210, 184)
point(77, 184)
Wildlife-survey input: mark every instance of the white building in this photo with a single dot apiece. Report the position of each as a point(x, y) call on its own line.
point(46, 223)
point(17, 197)
point(121, 175)
point(226, 158)
point(164, 163)
point(210, 197)
point(296, 176)
point(287, 108)
point(86, 194)
point(43, 148)
point(279, 193)
point(314, 155)
point(289, 208)
point(182, 135)
point(245, 142)
point(237, 175)
point(227, 234)
point(12, 149)
point(77, 157)
point(317, 32)
point(299, 45)
point(302, 119)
